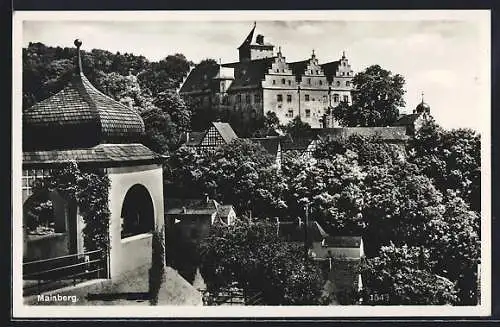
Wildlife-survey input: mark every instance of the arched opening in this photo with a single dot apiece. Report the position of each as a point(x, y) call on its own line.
point(137, 212)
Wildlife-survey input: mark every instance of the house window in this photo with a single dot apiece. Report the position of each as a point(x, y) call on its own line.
point(247, 98)
point(283, 81)
point(289, 98)
point(309, 81)
point(347, 83)
point(343, 73)
point(338, 83)
point(289, 82)
point(317, 72)
point(306, 97)
point(238, 98)
point(257, 98)
point(274, 82)
point(290, 113)
point(335, 97)
point(29, 176)
point(280, 97)
point(346, 98)
point(320, 82)
point(308, 113)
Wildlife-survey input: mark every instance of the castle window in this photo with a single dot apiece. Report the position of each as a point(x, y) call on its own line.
point(308, 113)
point(317, 72)
point(309, 81)
point(338, 83)
point(279, 97)
point(274, 82)
point(238, 98)
point(335, 97)
point(277, 70)
point(247, 98)
point(289, 98)
point(347, 83)
point(345, 98)
point(344, 63)
point(256, 98)
point(290, 113)
point(320, 82)
point(289, 82)
point(306, 97)
point(283, 81)
point(343, 73)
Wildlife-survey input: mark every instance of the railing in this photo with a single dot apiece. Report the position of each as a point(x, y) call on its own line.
point(233, 296)
point(42, 275)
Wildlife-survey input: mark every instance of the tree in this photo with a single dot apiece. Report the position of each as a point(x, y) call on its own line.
point(251, 255)
point(400, 275)
point(376, 99)
point(451, 158)
point(172, 104)
point(269, 125)
point(297, 128)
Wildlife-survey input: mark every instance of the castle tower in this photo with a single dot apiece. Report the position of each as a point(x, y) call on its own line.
point(254, 47)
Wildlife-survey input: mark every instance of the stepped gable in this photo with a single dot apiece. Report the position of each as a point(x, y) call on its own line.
point(79, 116)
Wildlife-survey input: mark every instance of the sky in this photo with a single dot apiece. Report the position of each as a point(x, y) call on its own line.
point(446, 57)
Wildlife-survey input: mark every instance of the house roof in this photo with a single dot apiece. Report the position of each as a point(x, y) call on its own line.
point(80, 116)
point(298, 67)
point(175, 206)
point(293, 232)
point(195, 138)
point(249, 74)
point(271, 144)
point(223, 210)
point(102, 153)
point(297, 143)
point(226, 131)
point(343, 241)
point(330, 69)
point(389, 133)
point(200, 78)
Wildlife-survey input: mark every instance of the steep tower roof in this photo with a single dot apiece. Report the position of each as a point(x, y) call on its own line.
point(80, 116)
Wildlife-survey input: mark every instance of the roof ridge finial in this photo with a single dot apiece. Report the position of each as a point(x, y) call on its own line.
point(422, 96)
point(343, 54)
point(313, 54)
point(254, 24)
point(78, 44)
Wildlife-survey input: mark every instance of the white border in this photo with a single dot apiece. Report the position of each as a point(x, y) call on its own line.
point(481, 17)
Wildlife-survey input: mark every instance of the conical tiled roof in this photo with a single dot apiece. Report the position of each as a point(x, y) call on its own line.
point(80, 116)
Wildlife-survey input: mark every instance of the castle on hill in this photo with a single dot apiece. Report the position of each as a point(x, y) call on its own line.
point(263, 81)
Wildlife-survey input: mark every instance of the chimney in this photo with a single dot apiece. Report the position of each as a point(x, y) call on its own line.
point(260, 39)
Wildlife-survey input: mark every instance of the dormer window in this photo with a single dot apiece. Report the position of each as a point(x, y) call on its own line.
point(260, 39)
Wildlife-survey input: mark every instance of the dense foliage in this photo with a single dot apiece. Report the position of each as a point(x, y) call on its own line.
point(89, 190)
point(376, 99)
point(251, 256)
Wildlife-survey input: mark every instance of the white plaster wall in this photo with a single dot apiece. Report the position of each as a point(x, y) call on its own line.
point(134, 252)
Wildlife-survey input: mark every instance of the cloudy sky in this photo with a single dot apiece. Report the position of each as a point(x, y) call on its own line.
point(444, 56)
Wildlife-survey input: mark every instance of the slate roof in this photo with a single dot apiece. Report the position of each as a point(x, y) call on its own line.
point(226, 131)
point(249, 74)
point(200, 78)
point(298, 68)
point(102, 153)
point(80, 116)
point(330, 69)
